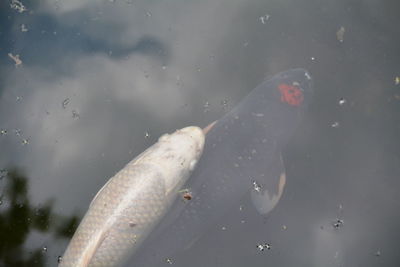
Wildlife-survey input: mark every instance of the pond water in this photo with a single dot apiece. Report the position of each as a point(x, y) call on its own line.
point(87, 85)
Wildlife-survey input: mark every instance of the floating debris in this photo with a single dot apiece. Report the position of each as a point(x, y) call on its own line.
point(146, 135)
point(17, 132)
point(257, 114)
point(16, 59)
point(336, 255)
point(265, 246)
point(206, 107)
point(148, 14)
point(256, 187)
point(23, 28)
point(312, 58)
point(25, 141)
point(335, 124)
point(59, 259)
point(75, 114)
point(3, 173)
point(284, 227)
point(164, 67)
point(397, 80)
point(307, 75)
point(378, 253)
point(65, 103)
point(342, 101)
point(337, 224)
point(224, 103)
point(17, 5)
point(44, 249)
point(3, 132)
point(132, 224)
point(264, 18)
point(186, 194)
point(223, 228)
point(169, 261)
point(340, 34)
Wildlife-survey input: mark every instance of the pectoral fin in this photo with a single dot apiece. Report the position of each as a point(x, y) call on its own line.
point(266, 194)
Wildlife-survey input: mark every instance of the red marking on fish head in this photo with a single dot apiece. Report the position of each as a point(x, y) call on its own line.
point(291, 94)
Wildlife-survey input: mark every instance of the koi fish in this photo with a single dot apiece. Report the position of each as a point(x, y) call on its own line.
point(131, 203)
point(242, 155)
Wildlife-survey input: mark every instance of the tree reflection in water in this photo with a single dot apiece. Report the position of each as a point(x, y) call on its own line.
point(19, 218)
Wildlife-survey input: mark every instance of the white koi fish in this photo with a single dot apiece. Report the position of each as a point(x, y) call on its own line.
point(131, 203)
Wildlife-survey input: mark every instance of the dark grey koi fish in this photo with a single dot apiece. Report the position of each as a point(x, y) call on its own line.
point(242, 154)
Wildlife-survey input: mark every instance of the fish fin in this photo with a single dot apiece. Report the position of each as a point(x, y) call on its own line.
point(266, 196)
point(209, 127)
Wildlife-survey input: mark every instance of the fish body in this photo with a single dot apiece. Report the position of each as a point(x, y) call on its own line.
point(242, 155)
point(132, 202)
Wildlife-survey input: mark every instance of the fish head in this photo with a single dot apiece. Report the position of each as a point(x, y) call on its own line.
point(179, 153)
